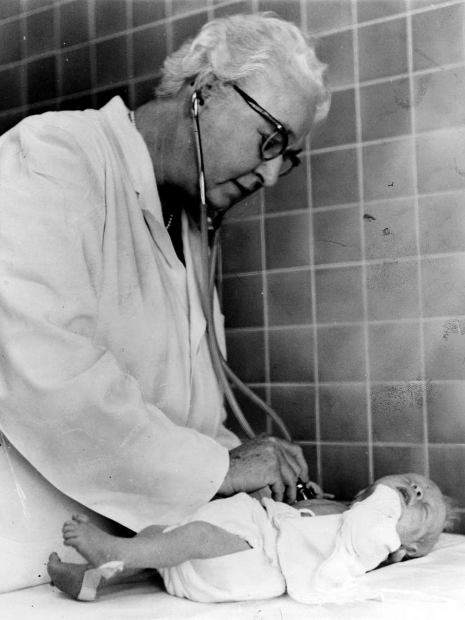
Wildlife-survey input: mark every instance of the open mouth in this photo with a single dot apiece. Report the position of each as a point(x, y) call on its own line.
point(405, 494)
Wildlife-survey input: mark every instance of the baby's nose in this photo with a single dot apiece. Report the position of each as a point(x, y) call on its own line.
point(417, 491)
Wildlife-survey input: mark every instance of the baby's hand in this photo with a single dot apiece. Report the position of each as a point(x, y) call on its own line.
point(318, 491)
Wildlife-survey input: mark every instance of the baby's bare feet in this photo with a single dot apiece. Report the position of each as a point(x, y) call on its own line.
point(67, 577)
point(95, 545)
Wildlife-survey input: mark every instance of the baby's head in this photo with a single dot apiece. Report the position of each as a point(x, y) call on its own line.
point(425, 513)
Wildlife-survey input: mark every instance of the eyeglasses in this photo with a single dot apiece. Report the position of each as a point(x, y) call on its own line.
point(274, 145)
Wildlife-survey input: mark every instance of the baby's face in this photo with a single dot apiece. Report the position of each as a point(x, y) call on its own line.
point(423, 510)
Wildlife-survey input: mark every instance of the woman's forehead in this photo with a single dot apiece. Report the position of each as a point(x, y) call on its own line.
point(291, 104)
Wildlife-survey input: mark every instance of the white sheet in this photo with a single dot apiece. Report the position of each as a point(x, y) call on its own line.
point(430, 588)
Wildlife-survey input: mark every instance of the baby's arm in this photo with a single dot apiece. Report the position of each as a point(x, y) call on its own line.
point(321, 507)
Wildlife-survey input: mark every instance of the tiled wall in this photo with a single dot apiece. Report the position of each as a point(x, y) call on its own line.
point(343, 287)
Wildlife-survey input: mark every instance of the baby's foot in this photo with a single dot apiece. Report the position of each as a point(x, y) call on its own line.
point(95, 545)
point(67, 577)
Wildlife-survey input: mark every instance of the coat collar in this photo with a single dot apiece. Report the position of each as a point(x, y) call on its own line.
point(136, 156)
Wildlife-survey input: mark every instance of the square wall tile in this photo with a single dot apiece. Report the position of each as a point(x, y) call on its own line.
point(439, 100)
point(339, 126)
point(392, 290)
point(388, 170)
point(290, 193)
point(345, 470)
point(104, 96)
point(84, 102)
point(368, 10)
point(253, 413)
point(180, 7)
point(295, 404)
point(187, 27)
point(11, 91)
point(289, 298)
point(40, 33)
point(310, 455)
point(443, 291)
point(10, 8)
point(337, 51)
point(339, 295)
point(327, 15)
point(392, 232)
point(31, 5)
point(447, 464)
point(246, 6)
point(286, 9)
point(9, 121)
point(147, 11)
point(398, 460)
point(41, 79)
point(343, 412)
point(110, 17)
point(442, 224)
point(287, 241)
point(438, 37)
point(446, 422)
point(291, 355)
point(76, 71)
point(395, 352)
point(246, 354)
point(251, 206)
point(441, 161)
point(383, 49)
point(149, 50)
point(112, 64)
point(10, 36)
point(385, 110)
point(341, 353)
point(334, 178)
point(243, 301)
point(74, 22)
point(444, 346)
point(336, 235)
point(241, 247)
point(421, 4)
point(397, 412)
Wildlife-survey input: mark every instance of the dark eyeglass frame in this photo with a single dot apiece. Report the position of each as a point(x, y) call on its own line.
point(290, 156)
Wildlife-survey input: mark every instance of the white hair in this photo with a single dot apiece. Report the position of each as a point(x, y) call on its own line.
point(233, 48)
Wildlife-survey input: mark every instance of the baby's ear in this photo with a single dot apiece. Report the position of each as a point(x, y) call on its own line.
point(403, 553)
point(363, 494)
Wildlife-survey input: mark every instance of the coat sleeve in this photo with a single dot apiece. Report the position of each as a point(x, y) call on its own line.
point(65, 403)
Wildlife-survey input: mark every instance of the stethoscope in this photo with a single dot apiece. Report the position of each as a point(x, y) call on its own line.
point(209, 230)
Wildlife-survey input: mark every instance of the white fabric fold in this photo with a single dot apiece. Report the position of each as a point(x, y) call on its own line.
point(321, 557)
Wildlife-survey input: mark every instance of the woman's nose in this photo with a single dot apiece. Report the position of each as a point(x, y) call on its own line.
point(269, 170)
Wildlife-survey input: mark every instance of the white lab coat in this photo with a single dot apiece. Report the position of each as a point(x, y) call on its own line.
point(106, 387)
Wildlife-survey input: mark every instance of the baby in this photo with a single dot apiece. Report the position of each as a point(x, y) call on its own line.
point(240, 548)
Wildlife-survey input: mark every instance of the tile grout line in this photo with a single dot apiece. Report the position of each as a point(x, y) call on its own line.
point(316, 378)
point(359, 154)
point(421, 324)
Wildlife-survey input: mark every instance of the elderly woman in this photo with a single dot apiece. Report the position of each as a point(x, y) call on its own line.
point(109, 399)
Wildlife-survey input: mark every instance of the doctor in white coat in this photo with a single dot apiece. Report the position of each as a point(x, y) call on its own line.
point(108, 399)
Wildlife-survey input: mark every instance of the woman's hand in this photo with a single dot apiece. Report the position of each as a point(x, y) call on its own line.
point(266, 461)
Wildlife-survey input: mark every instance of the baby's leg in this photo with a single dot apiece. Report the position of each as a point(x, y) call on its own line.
point(151, 548)
point(83, 582)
